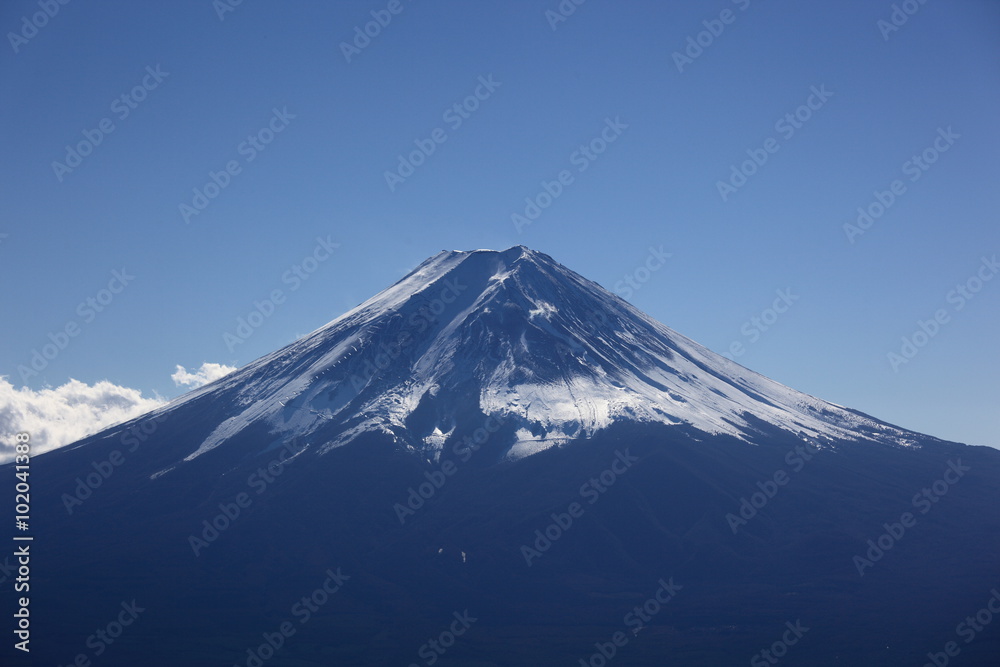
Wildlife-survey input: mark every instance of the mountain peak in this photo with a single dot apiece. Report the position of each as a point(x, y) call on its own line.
point(514, 335)
point(501, 259)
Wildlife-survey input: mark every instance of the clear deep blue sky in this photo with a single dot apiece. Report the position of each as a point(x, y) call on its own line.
point(323, 175)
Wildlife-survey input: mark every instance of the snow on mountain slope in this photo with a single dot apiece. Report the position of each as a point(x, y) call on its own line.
point(515, 335)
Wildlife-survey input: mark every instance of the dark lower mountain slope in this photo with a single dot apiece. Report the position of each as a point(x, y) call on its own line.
point(662, 517)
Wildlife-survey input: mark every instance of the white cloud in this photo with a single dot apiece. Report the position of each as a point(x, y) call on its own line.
point(208, 372)
point(65, 414)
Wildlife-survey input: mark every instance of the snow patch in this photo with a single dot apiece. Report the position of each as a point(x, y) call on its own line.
point(544, 310)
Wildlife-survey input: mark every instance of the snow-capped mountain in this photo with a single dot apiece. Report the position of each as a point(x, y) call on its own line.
point(222, 513)
point(514, 335)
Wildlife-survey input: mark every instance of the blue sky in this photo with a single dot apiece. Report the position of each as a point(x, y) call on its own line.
point(309, 127)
